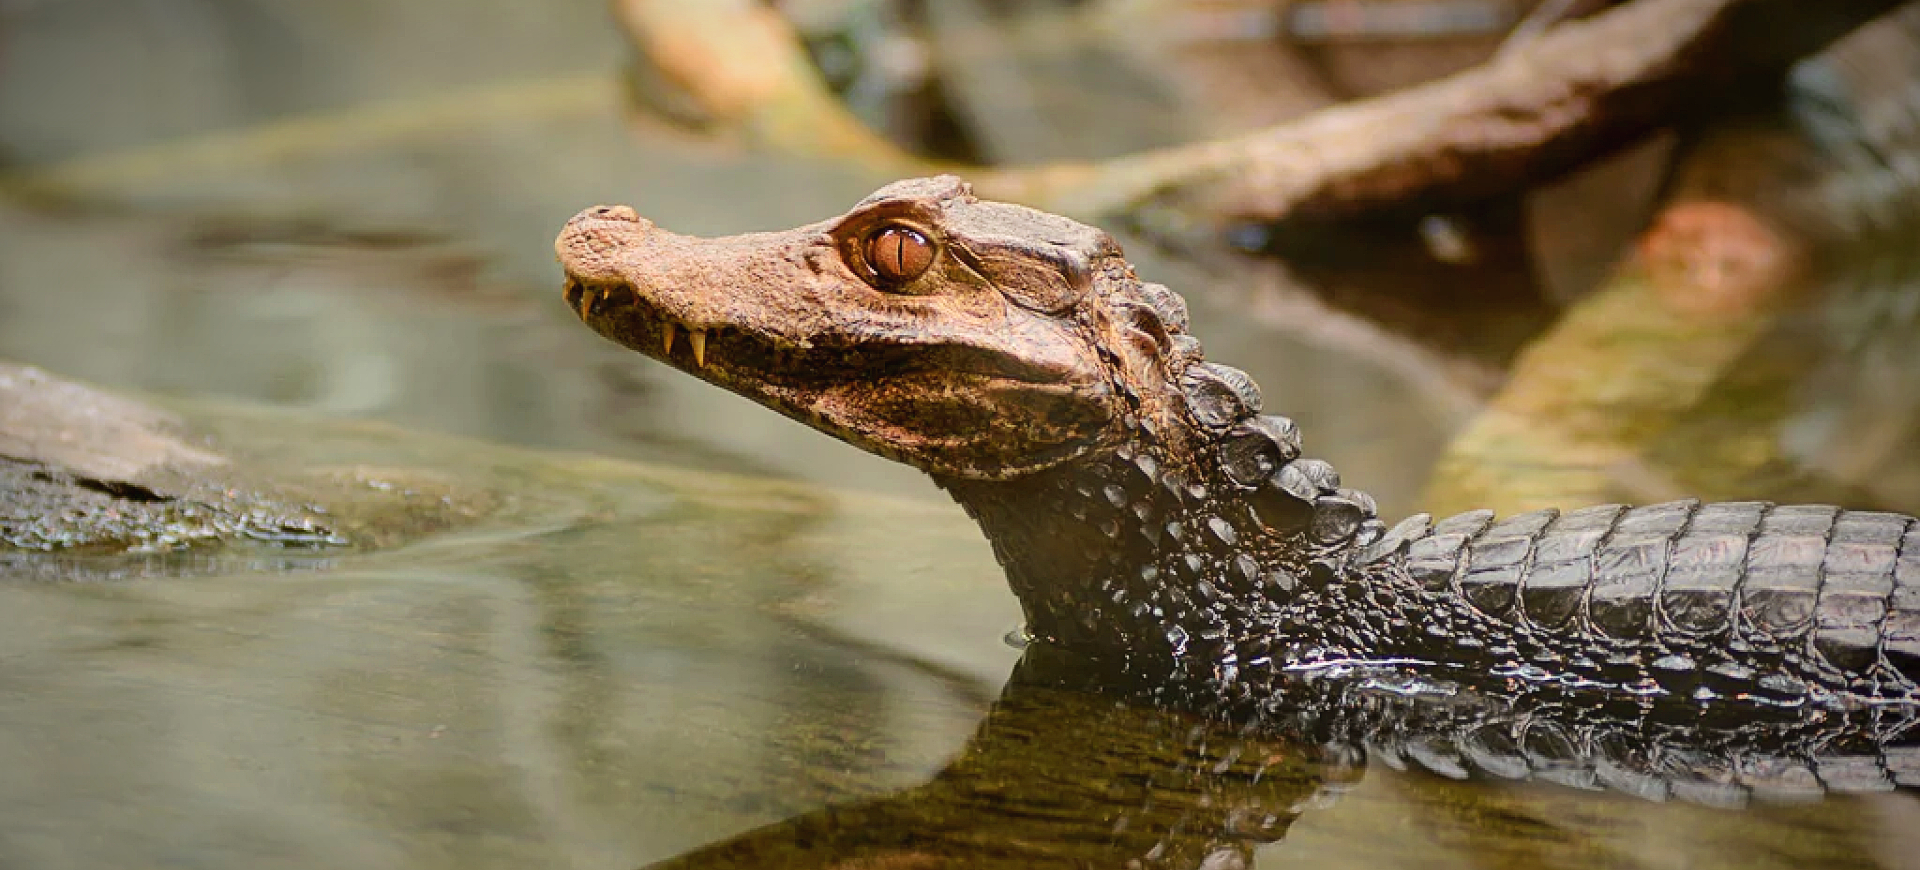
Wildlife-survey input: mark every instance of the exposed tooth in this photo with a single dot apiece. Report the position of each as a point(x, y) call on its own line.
point(668, 335)
point(698, 337)
point(592, 299)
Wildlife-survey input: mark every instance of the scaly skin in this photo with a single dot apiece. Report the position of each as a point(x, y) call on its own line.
point(1147, 516)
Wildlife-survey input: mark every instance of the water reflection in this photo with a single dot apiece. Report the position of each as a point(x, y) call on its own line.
point(1072, 769)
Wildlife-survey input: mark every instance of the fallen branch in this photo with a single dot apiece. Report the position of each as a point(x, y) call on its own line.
point(1552, 100)
point(1552, 103)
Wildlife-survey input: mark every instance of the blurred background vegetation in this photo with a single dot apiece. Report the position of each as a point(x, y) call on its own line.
point(436, 146)
point(1489, 253)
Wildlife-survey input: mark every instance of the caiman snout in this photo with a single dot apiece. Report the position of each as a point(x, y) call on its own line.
point(646, 287)
point(590, 244)
point(611, 213)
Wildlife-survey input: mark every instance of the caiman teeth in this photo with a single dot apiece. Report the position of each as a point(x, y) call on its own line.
point(697, 338)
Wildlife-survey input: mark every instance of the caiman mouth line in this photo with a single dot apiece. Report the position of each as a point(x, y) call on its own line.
point(616, 309)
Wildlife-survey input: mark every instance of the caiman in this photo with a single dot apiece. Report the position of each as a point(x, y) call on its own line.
point(1146, 513)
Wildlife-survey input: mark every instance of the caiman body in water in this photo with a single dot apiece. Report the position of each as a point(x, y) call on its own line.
point(1147, 515)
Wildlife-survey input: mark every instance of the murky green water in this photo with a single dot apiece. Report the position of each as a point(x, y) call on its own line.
point(684, 618)
point(621, 662)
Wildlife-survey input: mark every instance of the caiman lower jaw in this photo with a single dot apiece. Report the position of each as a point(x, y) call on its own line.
point(598, 304)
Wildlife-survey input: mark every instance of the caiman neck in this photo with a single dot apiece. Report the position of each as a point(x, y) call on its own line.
point(1155, 547)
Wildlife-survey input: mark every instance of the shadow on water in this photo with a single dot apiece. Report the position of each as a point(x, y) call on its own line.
point(345, 210)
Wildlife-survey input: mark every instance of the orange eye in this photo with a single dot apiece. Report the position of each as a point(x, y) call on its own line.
point(899, 254)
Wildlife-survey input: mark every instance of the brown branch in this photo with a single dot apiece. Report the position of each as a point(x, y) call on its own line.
point(1550, 104)
point(739, 68)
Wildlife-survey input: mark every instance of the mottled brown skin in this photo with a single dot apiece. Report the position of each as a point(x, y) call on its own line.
point(1147, 515)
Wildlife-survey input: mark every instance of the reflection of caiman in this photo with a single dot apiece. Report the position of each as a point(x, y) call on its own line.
point(1145, 514)
point(1059, 775)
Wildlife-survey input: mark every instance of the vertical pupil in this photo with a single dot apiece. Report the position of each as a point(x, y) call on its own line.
point(899, 253)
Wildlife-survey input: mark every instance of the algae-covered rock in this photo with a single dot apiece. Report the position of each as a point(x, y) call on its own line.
point(98, 485)
point(85, 471)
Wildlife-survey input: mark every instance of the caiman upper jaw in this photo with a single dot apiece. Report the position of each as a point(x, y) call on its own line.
point(588, 248)
point(589, 242)
point(594, 249)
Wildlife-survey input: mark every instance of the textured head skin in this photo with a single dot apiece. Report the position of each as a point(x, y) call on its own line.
point(1022, 342)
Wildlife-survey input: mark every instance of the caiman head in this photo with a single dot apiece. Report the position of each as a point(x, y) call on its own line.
point(975, 340)
point(1014, 355)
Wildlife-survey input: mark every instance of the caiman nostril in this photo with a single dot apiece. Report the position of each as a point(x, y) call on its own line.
point(614, 213)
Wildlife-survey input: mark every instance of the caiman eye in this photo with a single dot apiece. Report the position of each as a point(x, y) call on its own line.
point(899, 254)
